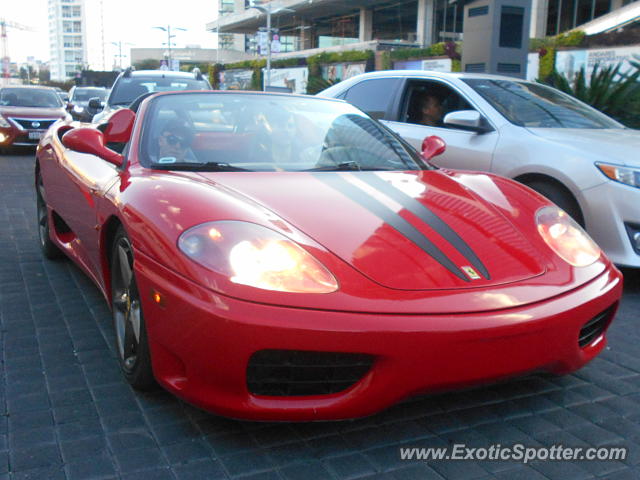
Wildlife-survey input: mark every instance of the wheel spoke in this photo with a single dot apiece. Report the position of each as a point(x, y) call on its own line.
point(125, 266)
point(134, 317)
point(130, 345)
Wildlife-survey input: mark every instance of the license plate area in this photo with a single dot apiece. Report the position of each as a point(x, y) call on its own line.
point(35, 135)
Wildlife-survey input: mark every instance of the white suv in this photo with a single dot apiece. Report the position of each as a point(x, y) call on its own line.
point(581, 159)
point(131, 84)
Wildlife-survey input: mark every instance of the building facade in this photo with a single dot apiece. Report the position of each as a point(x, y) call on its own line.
point(305, 25)
point(67, 38)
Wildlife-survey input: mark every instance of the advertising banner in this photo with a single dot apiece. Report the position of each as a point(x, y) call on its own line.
point(235, 79)
point(295, 79)
point(336, 72)
point(569, 62)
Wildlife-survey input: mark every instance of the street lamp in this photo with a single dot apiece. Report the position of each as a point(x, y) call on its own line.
point(119, 45)
point(169, 37)
point(269, 11)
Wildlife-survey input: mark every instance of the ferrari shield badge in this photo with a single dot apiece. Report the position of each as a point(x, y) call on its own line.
point(471, 273)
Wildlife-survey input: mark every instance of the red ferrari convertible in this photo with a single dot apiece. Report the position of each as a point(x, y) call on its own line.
point(284, 257)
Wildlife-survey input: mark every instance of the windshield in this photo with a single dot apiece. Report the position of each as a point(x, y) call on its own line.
point(258, 132)
point(86, 94)
point(533, 105)
point(127, 89)
point(29, 97)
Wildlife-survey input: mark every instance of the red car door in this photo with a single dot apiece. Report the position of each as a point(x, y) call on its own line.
point(75, 188)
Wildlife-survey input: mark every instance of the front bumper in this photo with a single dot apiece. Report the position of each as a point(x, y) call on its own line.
point(201, 343)
point(13, 137)
point(607, 207)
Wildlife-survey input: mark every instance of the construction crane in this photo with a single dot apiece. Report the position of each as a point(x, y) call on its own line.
point(4, 24)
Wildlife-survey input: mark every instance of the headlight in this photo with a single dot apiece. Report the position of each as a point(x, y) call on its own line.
point(253, 255)
point(78, 108)
point(565, 237)
point(4, 123)
point(628, 176)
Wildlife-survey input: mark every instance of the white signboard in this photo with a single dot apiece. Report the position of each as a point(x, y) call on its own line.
point(533, 66)
point(437, 64)
point(294, 79)
point(569, 62)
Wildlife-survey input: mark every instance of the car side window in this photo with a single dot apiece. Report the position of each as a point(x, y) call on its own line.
point(373, 96)
point(427, 103)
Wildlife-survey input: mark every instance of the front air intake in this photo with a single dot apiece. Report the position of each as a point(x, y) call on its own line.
point(284, 373)
point(594, 327)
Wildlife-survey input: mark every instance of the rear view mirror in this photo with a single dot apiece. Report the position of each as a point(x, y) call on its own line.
point(432, 147)
point(119, 126)
point(90, 140)
point(467, 120)
point(96, 104)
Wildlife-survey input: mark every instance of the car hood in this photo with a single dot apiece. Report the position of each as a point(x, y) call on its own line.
point(616, 145)
point(32, 112)
point(404, 230)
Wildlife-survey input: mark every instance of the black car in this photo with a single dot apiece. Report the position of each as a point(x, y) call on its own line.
point(79, 102)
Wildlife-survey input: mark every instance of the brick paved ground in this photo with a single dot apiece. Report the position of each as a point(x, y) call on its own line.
point(65, 411)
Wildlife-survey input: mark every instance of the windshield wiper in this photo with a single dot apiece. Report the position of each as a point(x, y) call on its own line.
point(340, 166)
point(200, 167)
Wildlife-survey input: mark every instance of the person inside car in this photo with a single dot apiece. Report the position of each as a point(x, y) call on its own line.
point(430, 110)
point(174, 143)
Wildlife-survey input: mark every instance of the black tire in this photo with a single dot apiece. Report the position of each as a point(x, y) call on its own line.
point(560, 196)
point(132, 346)
point(47, 247)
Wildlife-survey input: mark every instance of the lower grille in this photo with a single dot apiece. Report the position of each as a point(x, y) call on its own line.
point(34, 123)
point(287, 373)
point(594, 327)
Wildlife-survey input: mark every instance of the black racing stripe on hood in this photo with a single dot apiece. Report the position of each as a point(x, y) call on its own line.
point(391, 218)
point(427, 216)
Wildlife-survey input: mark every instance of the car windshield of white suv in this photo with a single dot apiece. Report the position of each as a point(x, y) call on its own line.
point(269, 133)
point(537, 106)
point(29, 97)
point(126, 90)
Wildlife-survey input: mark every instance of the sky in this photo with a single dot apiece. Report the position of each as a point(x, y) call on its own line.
point(126, 21)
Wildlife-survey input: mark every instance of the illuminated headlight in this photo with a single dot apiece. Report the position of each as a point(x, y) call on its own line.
point(566, 238)
point(4, 123)
point(626, 175)
point(256, 256)
point(78, 108)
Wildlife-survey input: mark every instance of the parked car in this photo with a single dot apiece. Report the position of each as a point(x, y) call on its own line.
point(581, 159)
point(79, 102)
point(131, 84)
point(64, 96)
point(284, 257)
point(26, 113)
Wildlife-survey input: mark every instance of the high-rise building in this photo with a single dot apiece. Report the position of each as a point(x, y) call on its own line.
point(67, 38)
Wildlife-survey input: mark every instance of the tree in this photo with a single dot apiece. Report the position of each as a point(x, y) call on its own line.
point(147, 64)
point(613, 93)
point(44, 75)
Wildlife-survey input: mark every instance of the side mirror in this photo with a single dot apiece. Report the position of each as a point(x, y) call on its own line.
point(69, 106)
point(89, 140)
point(119, 126)
point(432, 147)
point(466, 120)
point(95, 104)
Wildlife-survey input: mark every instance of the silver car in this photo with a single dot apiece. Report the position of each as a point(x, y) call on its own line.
point(581, 159)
